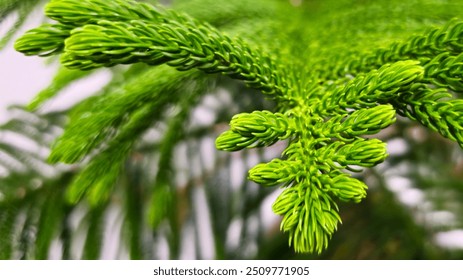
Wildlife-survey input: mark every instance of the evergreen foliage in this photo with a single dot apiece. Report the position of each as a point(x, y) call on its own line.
point(336, 74)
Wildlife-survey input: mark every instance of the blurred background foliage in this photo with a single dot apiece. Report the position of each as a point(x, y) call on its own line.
point(177, 197)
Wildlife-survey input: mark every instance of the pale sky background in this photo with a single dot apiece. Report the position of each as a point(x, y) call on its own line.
point(21, 77)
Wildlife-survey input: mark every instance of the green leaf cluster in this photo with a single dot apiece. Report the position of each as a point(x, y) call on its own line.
point(336, 85)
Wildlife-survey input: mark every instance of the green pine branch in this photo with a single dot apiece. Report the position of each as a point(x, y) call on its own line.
point(325, 111)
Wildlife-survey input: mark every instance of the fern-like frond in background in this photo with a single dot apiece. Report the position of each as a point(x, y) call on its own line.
point(335, 77)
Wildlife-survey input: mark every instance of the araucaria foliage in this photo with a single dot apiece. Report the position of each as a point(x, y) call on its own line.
point(338, 72)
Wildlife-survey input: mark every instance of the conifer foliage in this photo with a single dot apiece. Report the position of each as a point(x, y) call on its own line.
point(337, 73)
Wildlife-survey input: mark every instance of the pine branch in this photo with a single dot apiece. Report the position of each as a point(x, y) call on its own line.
point(173, 39)
point(324, 108)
